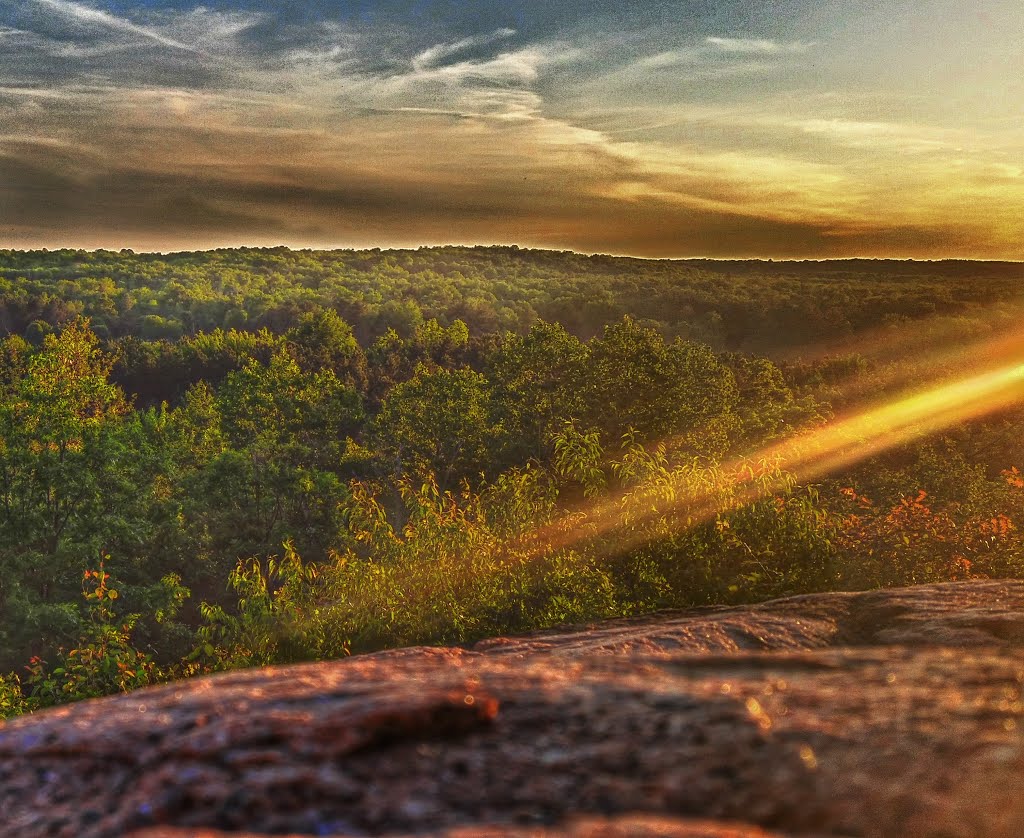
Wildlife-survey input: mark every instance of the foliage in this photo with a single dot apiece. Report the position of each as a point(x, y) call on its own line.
point(461, 566)
point(384, 448)
point(438, 419)
point(277, 618)
point(756, 307)
point(679, 392)
point(104, 661)
point(13, 701)
point(63, 492)
point(579, 457)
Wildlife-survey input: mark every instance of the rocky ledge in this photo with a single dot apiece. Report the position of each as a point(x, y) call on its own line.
point(888, 713)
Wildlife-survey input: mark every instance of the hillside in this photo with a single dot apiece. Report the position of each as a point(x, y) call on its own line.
point(876, 714)
point(223, 459)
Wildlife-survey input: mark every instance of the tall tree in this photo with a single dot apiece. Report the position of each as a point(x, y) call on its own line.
point(536, 381)
point(63, 458)
point(439, 421)
point(679, 392)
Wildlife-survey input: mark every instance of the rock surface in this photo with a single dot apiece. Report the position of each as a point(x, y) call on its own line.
point(888, 713)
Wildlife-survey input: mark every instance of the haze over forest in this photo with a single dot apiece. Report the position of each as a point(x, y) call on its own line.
point(793, 129)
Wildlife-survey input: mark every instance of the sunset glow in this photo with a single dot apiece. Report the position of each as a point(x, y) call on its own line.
point(656, 128)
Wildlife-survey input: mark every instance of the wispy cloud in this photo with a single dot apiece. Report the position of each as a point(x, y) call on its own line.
point(905, 138)
point(431, 56)
point(88, 15)
point(500, 86)
point(520, 66)
point(718, 57)
point(755, 46)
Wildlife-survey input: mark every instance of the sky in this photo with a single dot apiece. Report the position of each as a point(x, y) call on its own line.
point(662, 128)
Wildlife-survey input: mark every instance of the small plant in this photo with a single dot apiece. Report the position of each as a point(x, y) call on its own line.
point(13, 701)
point(104, 661)
point(276, 619)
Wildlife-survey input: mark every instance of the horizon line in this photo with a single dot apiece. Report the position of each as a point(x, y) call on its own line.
point(517, 247)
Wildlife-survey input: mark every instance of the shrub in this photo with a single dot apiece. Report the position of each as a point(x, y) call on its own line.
point(104, 661)
point(13, 701)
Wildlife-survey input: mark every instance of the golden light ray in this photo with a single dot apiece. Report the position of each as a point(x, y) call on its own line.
point(873, 431)
point(994, 382)
point(904, 355)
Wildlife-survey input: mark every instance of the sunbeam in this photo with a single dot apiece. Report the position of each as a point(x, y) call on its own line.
point(994, 382)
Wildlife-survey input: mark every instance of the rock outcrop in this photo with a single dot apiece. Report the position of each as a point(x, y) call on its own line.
point(888, 713)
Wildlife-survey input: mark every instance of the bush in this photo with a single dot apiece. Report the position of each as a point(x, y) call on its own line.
point(104, 661)
point(13, 701)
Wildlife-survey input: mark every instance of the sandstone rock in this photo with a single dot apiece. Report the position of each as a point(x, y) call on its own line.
point(889, 713)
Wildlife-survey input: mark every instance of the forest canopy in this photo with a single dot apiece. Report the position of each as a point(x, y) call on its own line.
point(238, 457)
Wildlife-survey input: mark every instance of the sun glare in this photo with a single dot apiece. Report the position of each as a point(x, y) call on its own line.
point(992, 380)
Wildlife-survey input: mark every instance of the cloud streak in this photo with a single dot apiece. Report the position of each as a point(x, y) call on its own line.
point(754, 46)
point(89, 16)
point(432, 56)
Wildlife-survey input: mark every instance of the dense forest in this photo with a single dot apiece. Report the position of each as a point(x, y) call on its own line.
point(224, 459)
point(760, 307)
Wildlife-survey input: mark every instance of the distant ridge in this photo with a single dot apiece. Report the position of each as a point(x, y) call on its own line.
point(934, 266)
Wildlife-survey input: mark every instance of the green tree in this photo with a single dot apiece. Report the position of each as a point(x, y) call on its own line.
point(438, 421)
point(767, 407)
point(321, 340)
point(63, 497)
point(679, 392)
point(274, 442)
point(277, 409)
point(535, 379)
